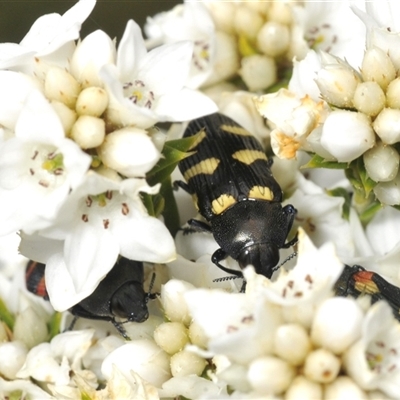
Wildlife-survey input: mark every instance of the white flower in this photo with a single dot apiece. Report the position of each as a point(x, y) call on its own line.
point(23, 388)
point(373, 361)
point(38, 168)
point(146, 88)
point(50, 36)
point(347, 135)
point(100, 220)
point(53, 362)
point(188, 21)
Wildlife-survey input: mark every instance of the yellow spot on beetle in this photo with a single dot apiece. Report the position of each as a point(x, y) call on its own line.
point(200, 137)
point(236, 130)
point(207, 166)
point(249, 156)
point(261, 192)
point(223, 202)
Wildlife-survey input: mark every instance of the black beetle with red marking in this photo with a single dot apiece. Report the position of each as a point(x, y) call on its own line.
point(119, 295)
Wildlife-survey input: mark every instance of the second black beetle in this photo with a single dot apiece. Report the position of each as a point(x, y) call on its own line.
point(230, 179)
point(119, 295)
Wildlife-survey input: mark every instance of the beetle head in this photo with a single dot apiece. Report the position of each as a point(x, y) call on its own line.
point(262, 256)
point(130, 302)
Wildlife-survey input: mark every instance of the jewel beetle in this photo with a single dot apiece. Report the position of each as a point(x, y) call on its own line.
point(356, 281)
point(119, 295)
point(229, 177)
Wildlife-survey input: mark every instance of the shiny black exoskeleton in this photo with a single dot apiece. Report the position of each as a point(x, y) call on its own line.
point(356, 281)
point(119, 295)
point(230, 179)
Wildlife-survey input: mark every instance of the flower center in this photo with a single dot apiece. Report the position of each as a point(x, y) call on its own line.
point(139, 94)
point(321, 37)
point(381, 358)
point(201, 54)
point(100, 209)
point(46, 167)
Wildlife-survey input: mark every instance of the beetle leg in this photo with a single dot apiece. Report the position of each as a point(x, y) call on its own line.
point(196, 226)
point(220, 255)
point(183, 185)
point(291, 242)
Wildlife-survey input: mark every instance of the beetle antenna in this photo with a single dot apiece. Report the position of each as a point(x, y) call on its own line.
point(288, 258)
point(226, 278)
point(149, 294)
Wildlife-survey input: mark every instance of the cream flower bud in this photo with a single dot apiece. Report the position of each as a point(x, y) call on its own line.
point(171, 336)
point(92, 101)
point(197, 335)
point(142, 356)
point(387, 125)
point(381, 162)
point(187, 363)
point(222, 13)
point(258, 72)
point(388, 192)
point(337, 83)
point(66, 115)
point(281, 371)
point(393, 94)
point(88, 132)
point(173, 301)
point(60, 85)
point(377, 67)
point(273, 39)
point(321, 366)
point(260, 6)
point(29, 328)
point(344, 388)
point(346, 135)
point(3, 332)
point(302, 388)
point(336, 324)
point(292, 343)
point(247, 21)
point(369, 98)
point(130, 151)
point(12, 358)
point(280, 11)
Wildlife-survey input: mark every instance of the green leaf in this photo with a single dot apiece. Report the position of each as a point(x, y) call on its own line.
point(173, 152)
point(342, 192)
point(319, 162)
point(6, 316)
point(170, 211)
point(54, 324)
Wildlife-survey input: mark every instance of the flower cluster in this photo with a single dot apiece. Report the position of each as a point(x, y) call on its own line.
point(90, 135)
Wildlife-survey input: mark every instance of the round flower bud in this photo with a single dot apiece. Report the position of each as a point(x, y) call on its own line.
point(263, 367)
point(129, 151)
point(61, 86)
point(92, 101)
point(280, 12)
point(88, 132)
point(273, 39)
point(388, 192)
point(258, 72)
point(387, 125)
point(302, 388)
point(171, 336)
point(247, 22)
point(344, 388)
point(381, 162)
point(337, 83)
point(29, 328)
point(66, 115)
point(197, 335)
point(222, 12)
point(292, 343)
point(369, 98)
point(321, 366)
point(336, 324)
point(173, 302)
point(377, 67)
point(347, 135)
point(142, 356)
point(12, 358)
point(393, 94)
point(187, 363)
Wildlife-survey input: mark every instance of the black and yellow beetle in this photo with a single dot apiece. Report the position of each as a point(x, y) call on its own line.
point(230, 179)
